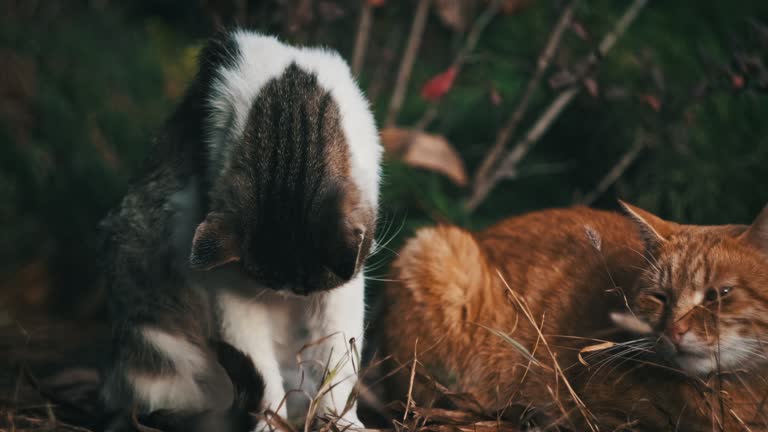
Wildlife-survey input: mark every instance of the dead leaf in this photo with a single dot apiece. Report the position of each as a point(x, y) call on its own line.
point(376, 3)
point(439, 85)
point(510, 7)
point(652, 101)
point(455, 14)
point(580, 30)
point(592, 87)
point(423, 150)
point(593, 348)
point(495, 96)
point(737, 81)
point(18, 88)
point(29, 286)
point(102, 145)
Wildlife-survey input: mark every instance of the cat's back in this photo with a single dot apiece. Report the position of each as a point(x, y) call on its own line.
point(449, 283)
point(554, 240)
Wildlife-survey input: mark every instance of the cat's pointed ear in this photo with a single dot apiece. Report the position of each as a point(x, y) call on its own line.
point(214, 244)
point(653, 229)
point(757, 233)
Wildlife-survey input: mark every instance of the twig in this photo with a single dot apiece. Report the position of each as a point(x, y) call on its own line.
point(469, 46)
point(616, 171)
point(406, 65)
point(508, 167)
point(523, 305)
point(410, 383)
point(473, 37)
point(383, 65)
point(361, 40)
point(506, 132)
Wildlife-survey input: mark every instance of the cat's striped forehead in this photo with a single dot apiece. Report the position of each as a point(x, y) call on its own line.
point(696, 259)
point(246, 63)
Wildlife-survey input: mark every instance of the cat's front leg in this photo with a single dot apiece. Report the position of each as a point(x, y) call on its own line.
point(245, 324)
point(336, 319)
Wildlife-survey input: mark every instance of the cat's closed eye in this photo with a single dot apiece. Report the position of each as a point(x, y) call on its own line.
point(713, 294)
point(659, 297)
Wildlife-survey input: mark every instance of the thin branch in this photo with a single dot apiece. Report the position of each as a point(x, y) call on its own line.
point(506, 132)
point(380, 73)
point(473, 37)
point(361, 40)
point(404, 73)
point(466, 50)
point(617, 170)
point(508, 167)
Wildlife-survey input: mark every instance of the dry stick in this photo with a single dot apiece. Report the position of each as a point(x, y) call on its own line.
point(469, 46)
point(404, 73)
point(616, 172)
point(361, 40)
point(473, 37)
point(559, 374)
point(506, 132)
point(508, 167)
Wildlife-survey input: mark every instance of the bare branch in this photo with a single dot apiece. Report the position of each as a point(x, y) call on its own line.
point(473, 37)
point(404, 73)
point(470, 43)
point(506, 132)
point(617, 170)
point(361, 40)
point(508, 167)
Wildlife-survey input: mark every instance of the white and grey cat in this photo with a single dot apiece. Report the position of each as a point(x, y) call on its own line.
point(250, 224)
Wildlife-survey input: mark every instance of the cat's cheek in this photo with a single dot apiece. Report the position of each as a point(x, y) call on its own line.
point(650, 312)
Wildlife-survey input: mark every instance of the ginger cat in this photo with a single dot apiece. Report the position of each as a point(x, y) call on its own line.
point(672, 318)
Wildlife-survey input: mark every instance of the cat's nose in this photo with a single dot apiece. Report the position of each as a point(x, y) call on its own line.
point(678, 329)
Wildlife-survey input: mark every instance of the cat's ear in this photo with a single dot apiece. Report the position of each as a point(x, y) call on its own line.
point(653, 229)
point(757, 233)
point(214, 244)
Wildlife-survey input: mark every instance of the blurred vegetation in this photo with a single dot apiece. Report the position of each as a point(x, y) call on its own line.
point(84, 85)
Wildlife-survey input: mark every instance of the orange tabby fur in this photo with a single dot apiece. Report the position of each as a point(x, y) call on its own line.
point(447, 295)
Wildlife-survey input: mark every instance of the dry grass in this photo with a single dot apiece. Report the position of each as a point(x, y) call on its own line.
point(49, 381)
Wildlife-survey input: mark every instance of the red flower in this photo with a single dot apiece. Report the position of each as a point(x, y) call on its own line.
point(439, 85)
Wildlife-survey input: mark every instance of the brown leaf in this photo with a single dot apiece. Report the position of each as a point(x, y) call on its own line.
point(456, 14)
point(592, 87)
point(510, 7)
point(424, 150)
point(18, 88)
point(102, 145)
point(652, 101)
point(495, 96)
point(580, 30)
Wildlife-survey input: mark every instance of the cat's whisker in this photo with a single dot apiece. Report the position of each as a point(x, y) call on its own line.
point(628, 349)
point(387, 238)
point(380, 279)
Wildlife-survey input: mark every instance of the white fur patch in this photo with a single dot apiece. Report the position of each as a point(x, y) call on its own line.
point(172, 392)
point(180, 390)
point(186, 357)
point(263, 58)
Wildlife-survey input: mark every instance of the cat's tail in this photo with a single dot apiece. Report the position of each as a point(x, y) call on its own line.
point(444, 266)
point(248, 386)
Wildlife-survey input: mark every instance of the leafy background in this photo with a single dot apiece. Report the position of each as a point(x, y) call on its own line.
point(84, 85)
